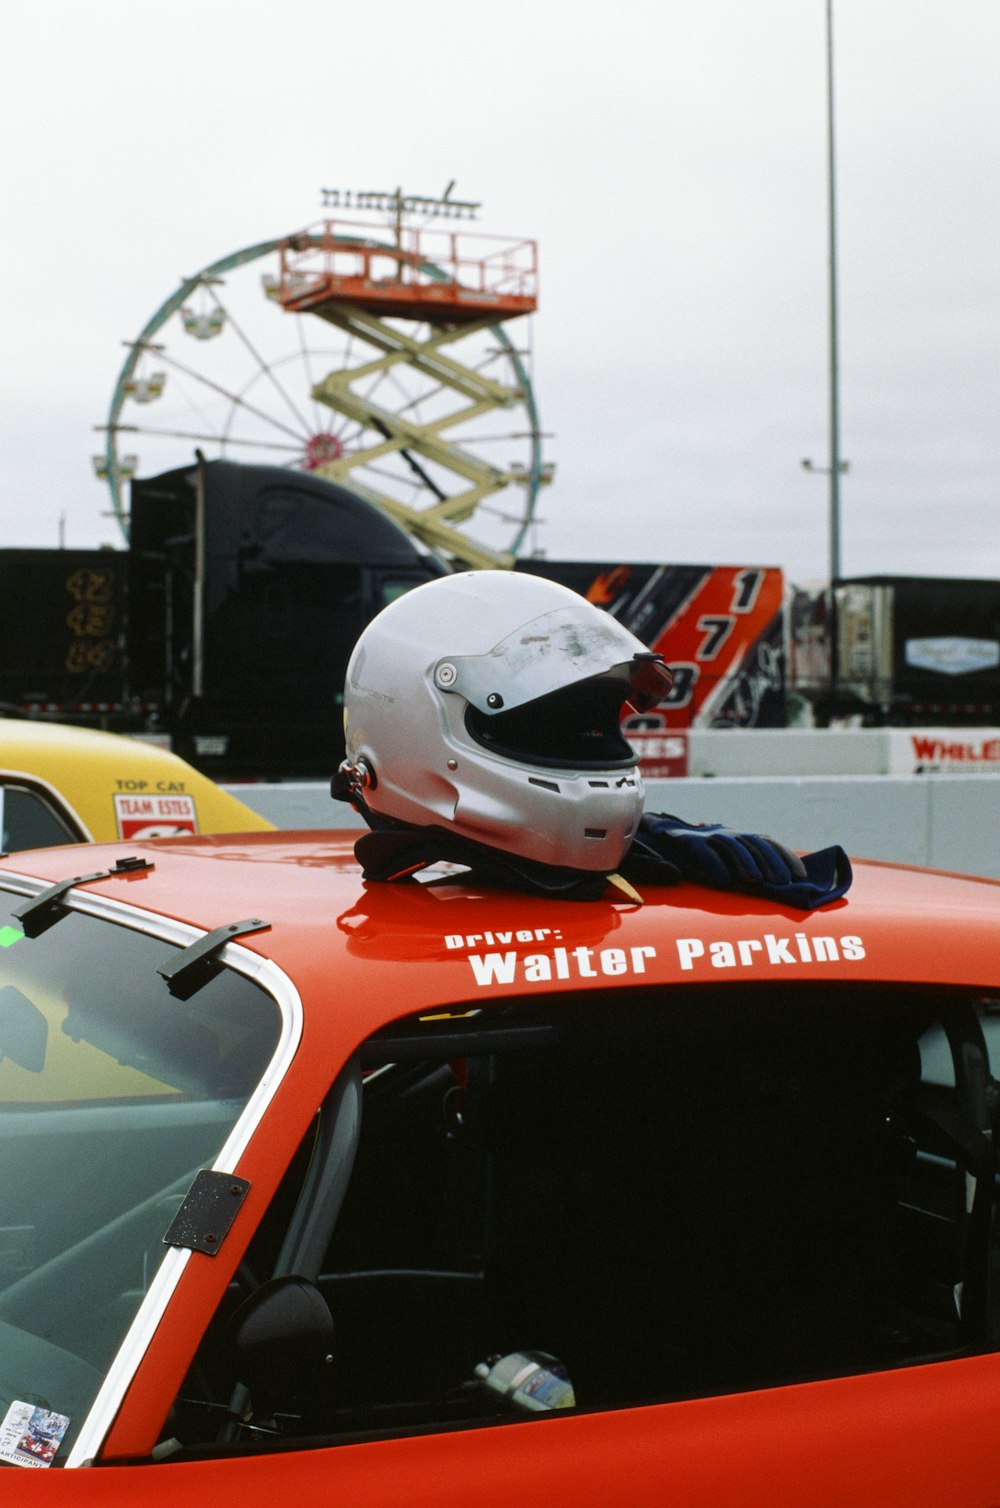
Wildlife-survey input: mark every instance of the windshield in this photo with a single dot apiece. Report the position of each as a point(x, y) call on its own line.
point(113, 1094)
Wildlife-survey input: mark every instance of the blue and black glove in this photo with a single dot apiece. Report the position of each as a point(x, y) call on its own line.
point(710, 854)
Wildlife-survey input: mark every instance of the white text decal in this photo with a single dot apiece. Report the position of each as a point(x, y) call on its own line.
point(770, 948)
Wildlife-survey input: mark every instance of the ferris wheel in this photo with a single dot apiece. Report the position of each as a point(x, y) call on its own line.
point(391, 355)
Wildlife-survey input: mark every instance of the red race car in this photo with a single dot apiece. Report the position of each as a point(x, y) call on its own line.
point(427, 1194)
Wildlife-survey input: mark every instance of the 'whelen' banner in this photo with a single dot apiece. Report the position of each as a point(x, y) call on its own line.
point(951, 751)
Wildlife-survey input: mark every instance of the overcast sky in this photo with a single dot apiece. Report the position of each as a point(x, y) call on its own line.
point(670, 158)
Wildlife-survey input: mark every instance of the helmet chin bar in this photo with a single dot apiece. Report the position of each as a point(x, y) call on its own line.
point(575, 819)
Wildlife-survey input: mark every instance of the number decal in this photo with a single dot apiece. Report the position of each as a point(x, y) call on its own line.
point(685, 680)
point(90, 586)
point(747, 584)
point(716, 631)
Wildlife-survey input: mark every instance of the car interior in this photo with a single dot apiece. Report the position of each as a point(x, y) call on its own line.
point(630, 1197)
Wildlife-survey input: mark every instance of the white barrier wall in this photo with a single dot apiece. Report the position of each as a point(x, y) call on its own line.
point(843, 751)
point(945, 821)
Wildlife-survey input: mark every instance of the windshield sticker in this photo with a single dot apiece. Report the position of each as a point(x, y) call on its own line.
point(30, 1436)
point(155, 816)
point(9, 936)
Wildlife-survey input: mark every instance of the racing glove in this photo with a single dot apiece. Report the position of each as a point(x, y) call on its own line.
point(665, 847)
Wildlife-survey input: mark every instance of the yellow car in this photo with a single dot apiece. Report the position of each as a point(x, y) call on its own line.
point(60, 784)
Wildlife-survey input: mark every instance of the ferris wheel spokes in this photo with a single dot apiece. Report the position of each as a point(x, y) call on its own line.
point(396, 400)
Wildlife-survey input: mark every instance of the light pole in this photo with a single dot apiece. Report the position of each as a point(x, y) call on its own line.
point(837, 466)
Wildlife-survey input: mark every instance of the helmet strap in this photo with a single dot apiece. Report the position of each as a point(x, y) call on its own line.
point(399, 852)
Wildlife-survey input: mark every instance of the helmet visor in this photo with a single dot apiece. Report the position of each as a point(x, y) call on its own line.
point(649, 680)
point(556, 650)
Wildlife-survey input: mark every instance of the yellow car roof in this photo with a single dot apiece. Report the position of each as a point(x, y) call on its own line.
point(120, 787)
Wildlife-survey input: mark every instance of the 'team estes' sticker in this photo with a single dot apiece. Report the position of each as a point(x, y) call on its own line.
point(155, 816)
point(30, 1436)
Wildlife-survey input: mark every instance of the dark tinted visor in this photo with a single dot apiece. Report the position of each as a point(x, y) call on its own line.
point(578, 727)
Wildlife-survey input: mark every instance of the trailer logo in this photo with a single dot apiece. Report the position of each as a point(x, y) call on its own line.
point(951, 654)
point(155, 816)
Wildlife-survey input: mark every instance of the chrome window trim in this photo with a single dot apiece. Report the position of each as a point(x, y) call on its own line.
point(266, 974)
point(37, 785)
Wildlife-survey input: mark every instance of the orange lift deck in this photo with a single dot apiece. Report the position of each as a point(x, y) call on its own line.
point(440, 275)
point(423, 295)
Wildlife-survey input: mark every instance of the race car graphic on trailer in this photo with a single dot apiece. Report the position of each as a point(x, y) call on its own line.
point(718, 627)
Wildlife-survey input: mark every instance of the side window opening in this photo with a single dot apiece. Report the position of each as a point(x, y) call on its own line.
point(28, 820)
point(639, 1203)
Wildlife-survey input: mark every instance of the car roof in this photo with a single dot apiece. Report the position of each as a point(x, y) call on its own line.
point(88, 767)
point(363, 954)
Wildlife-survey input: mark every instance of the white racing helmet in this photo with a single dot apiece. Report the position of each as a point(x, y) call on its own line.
point(488, 703)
